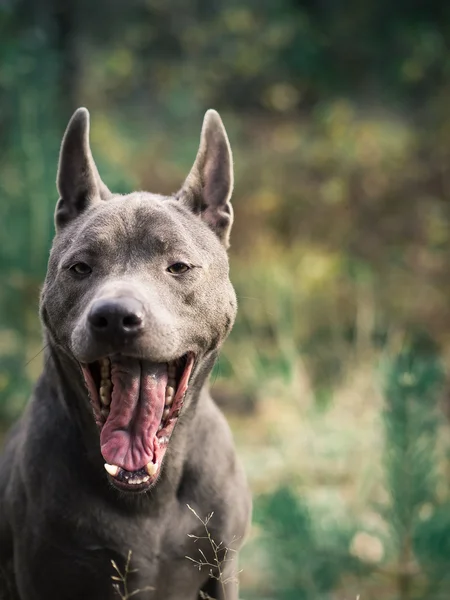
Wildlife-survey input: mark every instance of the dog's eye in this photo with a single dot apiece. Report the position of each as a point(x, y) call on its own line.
point(178, 268)
point(81, 269)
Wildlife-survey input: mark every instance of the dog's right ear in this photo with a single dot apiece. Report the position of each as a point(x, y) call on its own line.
point(78, 181)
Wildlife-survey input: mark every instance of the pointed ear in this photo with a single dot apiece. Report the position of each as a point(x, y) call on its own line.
point(208, 187)
point(78, 181)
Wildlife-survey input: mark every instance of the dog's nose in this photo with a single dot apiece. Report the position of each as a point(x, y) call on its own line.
point(116, 316)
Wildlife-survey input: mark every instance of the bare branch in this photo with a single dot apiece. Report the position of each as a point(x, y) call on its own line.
point(215, 570)
point(121, 588)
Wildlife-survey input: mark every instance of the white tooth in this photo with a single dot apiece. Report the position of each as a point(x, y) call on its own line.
point(105, 391)
point(145, 478)
point(151, 468)
point(106, 400)
point(105, 396)
point(112, 469)
point(105, 412)
point(165, 413)
point(160, 427)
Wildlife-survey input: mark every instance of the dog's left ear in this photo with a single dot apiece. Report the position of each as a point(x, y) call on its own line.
point(208, 187)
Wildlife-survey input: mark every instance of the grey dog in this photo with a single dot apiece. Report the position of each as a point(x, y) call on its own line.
point(121, 434)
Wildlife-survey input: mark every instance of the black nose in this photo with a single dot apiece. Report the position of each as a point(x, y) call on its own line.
point(116, 317)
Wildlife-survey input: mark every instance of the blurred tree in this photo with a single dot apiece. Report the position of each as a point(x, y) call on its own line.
point(338, 115)
point(417, 521)
point(305, 560)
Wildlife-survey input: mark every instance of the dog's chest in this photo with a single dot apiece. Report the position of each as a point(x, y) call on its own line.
point(162, 552)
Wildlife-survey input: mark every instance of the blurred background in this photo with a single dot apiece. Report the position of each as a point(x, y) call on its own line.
point(335, 378)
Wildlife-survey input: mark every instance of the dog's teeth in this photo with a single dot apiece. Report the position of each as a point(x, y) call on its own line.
point(105, 397)
point(160, 427)
point(151, 468)
point(105, 368)
point(112, 469)
point(166, 413)
point(138, 480)
point(170, 392)
point(105, 392)
point(105, 412)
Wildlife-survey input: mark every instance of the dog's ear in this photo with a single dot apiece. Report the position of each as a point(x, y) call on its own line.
point(208, 187)
point(78, 181)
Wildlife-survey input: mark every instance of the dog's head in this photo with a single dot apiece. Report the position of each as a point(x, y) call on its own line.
point(137, 292)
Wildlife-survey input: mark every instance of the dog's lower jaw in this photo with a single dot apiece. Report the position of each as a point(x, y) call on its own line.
point(143, 428)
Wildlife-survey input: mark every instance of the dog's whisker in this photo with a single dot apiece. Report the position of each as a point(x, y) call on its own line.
point(248, 298)
point(36, 355)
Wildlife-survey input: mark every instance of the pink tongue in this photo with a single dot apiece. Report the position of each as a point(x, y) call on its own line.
point(137, 403)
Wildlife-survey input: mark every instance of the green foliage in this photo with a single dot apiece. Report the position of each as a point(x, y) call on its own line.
point(414, 381)
point(310, 557)
point(417, 519)
point(431, 547)
point(305, 561)
point(30, 142)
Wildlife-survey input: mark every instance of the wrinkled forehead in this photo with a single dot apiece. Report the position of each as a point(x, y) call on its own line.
point(139, 224)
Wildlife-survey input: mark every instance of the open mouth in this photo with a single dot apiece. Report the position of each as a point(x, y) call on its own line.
point(136, 405)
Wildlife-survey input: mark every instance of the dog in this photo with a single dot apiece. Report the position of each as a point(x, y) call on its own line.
point(121, 452)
